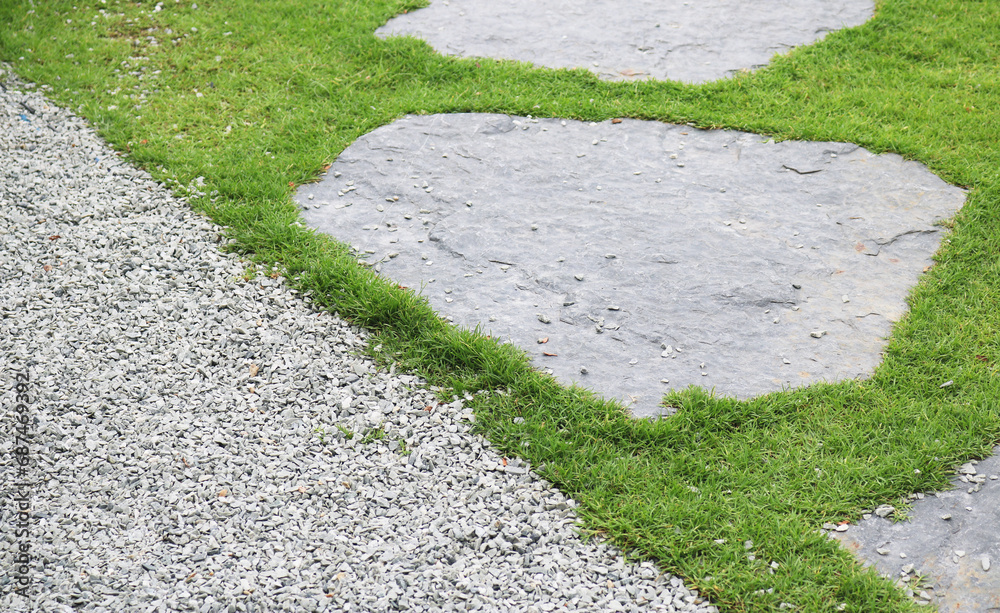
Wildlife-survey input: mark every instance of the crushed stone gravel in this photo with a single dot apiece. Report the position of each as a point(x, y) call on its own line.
point(204, 440)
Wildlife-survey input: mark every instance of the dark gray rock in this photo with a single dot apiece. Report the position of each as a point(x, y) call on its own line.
point(948, 553)
point(727, 265)
point(692, 41)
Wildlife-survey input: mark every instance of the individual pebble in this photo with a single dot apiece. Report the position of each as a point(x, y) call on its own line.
point(885, 510)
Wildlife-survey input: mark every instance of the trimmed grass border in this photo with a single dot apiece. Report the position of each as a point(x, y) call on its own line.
point(256, 97)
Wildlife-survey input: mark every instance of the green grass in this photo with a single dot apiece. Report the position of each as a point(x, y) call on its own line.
point(285, 86)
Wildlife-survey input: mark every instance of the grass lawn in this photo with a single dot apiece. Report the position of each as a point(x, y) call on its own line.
point(256, 97)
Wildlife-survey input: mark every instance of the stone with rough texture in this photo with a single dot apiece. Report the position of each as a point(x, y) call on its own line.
point(643, 251)
point(680, 40)
point(952, 555)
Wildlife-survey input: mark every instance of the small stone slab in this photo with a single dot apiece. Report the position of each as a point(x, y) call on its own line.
point(684, 40)
point(649, 255)
point(951, 537)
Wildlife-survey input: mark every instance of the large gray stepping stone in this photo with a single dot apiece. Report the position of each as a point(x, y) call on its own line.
point(643, 251)
point(683, 40)
point(946, 540)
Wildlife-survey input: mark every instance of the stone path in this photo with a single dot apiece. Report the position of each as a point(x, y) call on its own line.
point(685, 40)
point(640, 256)
point(660, 239)
point(649, 256)
point(946, 552)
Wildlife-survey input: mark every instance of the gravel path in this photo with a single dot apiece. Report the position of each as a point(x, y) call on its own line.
point(190, 427)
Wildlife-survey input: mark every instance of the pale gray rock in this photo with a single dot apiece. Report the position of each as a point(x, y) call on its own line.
point(683, 40)
point(733, 262)
point(953, 556)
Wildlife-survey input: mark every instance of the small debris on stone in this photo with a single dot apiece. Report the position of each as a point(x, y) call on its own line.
point(885, 510)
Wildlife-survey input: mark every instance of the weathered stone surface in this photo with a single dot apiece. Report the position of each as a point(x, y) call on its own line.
point(719, 250)
point(692, 41)
point(949, 554)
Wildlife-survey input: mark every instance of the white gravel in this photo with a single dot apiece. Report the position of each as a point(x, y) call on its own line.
point(189, 427)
